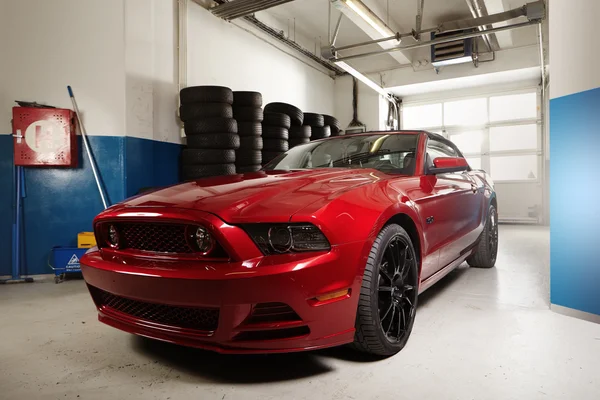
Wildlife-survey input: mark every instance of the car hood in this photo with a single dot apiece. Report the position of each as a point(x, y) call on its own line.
point(272, 196)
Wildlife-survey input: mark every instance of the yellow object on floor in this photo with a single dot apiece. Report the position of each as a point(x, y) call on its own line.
point(85, 240)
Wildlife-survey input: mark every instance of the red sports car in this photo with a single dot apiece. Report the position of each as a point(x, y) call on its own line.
point(329, 244)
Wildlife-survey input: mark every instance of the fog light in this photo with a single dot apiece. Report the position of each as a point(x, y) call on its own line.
point(113, 236)
point(204, 240)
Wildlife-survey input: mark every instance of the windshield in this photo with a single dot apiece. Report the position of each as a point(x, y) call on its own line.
point(393, 153)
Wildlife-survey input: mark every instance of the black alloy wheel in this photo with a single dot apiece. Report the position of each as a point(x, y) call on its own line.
point(388, 294)
point(397, 289)
point(486, 251)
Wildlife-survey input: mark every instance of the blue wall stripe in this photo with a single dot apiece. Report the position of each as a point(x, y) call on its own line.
point(63, 202)
point(574, 194)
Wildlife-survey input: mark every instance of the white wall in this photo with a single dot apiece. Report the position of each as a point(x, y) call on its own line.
point(369, 104)
point(578, 71)
point(47, 45)
point(221, 53)
point(151, 69)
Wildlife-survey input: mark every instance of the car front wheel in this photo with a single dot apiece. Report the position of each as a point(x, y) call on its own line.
point(388, 296)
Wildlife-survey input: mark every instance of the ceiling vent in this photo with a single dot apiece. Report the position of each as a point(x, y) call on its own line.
point(450, 53)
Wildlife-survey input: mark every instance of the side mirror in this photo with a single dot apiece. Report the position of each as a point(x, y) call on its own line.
point(447, 165)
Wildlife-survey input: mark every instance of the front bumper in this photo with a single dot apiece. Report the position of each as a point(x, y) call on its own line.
point(235, 289)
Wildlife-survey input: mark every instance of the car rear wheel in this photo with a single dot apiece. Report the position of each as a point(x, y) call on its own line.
point(486, 251)
point(388, 295)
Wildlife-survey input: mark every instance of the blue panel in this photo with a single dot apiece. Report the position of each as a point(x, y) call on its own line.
point(574, 194)
point(150, 163)
point(6, 203)
point(62, 202)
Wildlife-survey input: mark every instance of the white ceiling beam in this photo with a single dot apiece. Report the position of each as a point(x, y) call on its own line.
point(494, 7)
point(353, 10)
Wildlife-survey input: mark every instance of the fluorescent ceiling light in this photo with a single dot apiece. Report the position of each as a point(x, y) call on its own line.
point(376, 23)
point(362, 78)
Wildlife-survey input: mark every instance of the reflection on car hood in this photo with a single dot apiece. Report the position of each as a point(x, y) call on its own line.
point(262, 196)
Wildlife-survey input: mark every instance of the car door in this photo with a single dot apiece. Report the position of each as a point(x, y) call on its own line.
point(458, 206)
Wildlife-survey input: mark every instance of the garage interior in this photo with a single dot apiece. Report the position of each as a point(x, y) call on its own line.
point(514, 90)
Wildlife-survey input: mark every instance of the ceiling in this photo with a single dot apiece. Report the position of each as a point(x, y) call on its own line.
point(311, 25)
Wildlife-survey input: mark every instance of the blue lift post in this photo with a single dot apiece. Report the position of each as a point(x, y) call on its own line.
point(17, 259)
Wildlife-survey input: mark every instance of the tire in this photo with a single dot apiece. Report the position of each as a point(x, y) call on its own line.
point(190, 172)
point(332, 122)
point(206, 94)
point(249, 129)
point(275, 132)
point(207, 156)
point(320, 133)
point(210, 125)
point(245, 158)
point(296, 142)
point(214, 141)
point(205, 110)
point(371, 325)
point(313, 119)
point(300, 132)
point(276, 145)
point(296, 115)
point(251, 143)
point(267, 156)
point(277, 119)
point(248, 168)
point(248, 114)
point(336, 133)
point(247, 99)
point(486, 251)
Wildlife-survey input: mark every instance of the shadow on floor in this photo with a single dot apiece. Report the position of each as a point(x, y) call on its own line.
point(227, 368)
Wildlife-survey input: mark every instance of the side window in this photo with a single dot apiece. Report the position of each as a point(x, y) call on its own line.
point(435, 149)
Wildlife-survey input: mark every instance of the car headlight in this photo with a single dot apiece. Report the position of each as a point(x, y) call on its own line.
point(204, 241)
point(287, 238)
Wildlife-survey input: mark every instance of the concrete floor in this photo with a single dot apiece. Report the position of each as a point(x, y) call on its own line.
point(479, 334)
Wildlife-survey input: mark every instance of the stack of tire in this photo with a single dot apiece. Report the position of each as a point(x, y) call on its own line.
point(248, 113)
point(317, 126)
point(211, 132)
point(279, 119)
point(334, 125)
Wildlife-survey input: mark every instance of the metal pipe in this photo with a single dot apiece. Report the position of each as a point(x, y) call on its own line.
point(87, 147)
point(375, 41)
point(272, 32)
point(245, 9)
point(420, 5)
point(337, 30)
point(240, 8)
point(329, 22)
point(438, 41)
point(542, 60)
point(237, 6)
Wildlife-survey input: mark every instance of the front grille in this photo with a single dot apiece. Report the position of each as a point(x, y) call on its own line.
point(161, 238)
point(202, 319)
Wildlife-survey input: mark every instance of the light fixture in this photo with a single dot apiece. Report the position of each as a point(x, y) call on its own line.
point(369, 17)
point(362, 78)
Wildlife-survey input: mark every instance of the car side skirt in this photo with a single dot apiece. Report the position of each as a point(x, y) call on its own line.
point(429, 282)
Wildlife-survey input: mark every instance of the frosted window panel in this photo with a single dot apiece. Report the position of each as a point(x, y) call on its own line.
point(466, 112)
point(420, 117)
point(514, 168)
point(468, 142)
point(474, 162)
point(517, 137)
point(512, 107)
